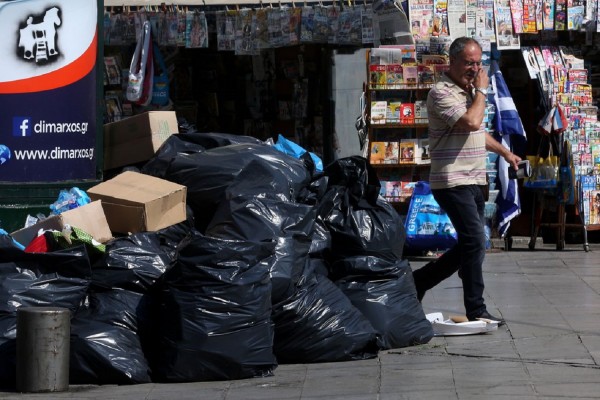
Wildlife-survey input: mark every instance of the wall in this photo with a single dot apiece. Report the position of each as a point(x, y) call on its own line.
point(349, 73)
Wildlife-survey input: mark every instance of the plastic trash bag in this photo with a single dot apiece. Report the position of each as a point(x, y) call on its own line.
point(209, 173)
point(214, 316)
point(318, 323)
point(58, 279)
point(293, 149)
point(385, 294)
point(105, 346)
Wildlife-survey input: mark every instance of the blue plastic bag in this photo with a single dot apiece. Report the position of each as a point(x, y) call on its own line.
point(427, 224)
point(292, 149)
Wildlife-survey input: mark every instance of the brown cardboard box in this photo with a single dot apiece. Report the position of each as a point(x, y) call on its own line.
point(137, 138)
point(90, 218)
point(135, 202)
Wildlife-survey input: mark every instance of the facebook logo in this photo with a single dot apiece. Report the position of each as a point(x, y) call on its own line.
point(21, 126)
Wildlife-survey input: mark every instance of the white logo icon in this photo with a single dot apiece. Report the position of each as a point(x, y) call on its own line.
point(38, 40)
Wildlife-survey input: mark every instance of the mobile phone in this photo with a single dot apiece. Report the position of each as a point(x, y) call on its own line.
point(523, 170)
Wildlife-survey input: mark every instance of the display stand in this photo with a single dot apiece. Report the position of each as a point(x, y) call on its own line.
point(540, 200)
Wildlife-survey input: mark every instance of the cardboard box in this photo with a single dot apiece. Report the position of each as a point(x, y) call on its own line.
point(136, 139)
point(90, 218)
point(135, 202)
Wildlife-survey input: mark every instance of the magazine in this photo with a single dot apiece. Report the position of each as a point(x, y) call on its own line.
point(421, 18)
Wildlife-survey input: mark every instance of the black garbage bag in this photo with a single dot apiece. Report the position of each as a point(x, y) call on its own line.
point(190, 143)
point(358, 176)
point(209, 173)
point(385, 294)
point(263, 218)
point(105, 346)
point(318, 323)
point(57, 279)
point(136, 261)
point(214, 314)
point(356, 230)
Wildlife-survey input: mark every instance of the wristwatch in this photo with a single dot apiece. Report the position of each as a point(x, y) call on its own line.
point(483, 91)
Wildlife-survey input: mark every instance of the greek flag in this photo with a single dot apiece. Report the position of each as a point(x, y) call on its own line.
point(507, 122)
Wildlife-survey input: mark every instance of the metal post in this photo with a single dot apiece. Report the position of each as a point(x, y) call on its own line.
point(43, 344)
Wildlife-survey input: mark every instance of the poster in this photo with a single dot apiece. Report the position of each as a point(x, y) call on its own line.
point(48, 90)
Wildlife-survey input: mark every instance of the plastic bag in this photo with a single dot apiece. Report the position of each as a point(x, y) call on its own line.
point(141, 70)
point(213, 319)
point(428, 227)
point(320, 324)
point(385, 294)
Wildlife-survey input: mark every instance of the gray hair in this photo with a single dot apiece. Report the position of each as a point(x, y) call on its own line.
point(459, 45)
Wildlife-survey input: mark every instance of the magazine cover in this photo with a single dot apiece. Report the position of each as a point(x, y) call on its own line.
point(575, 15)
point(295, 24)
point(394, 76)
point(378, 112)
point(391, 153)
point(423, 155)
point(410, 74)
point(307, 25)
point(440, 18)
point(457, 18)
point(425, 75)
point(471, 6)
point(377, 152)
point(530, 62)
point(421, 112)
point(560, 15)
point(377, 76)
point(393, 115)
point(350, 32)
point(333, 21)
point(407, 113)
point(393, 190)
point(516, 9)
point(548, 14)
point(321, 31)
point(529, 16)
point(407, 151)
point(113, 70)
point(261, 34)
point(366, 17)
point(226, 30)
point(505, 37)
point(245, 43)
point(421, 18)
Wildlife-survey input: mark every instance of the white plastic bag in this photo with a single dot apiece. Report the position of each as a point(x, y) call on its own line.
point(141, 70)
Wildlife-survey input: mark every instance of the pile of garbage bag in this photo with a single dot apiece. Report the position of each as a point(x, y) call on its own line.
point(278, 262)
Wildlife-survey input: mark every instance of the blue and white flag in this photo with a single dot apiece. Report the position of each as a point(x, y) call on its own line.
point(507, 122)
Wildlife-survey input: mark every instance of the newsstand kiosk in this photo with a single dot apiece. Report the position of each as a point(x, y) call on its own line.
point(50, 103)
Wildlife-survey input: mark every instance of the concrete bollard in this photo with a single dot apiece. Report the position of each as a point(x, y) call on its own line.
point(43, 344)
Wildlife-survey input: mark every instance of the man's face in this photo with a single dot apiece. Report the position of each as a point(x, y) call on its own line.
point(465, 66)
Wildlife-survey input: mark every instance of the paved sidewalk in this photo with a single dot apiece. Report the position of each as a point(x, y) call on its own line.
point(549, 348)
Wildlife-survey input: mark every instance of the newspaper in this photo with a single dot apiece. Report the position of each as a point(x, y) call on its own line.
point(457, 18)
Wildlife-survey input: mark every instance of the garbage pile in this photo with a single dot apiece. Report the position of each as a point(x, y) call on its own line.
point(276, 263)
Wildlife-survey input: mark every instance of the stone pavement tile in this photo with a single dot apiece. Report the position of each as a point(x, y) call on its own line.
point(488, 350)
point(592, 281)
point(287, 383)
point(592, 344)
point(561, 381)
point(529, 321)
point(566, 349)
point(584, 317)
point(399, 380)
point(341, 379)
point(432, 392)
